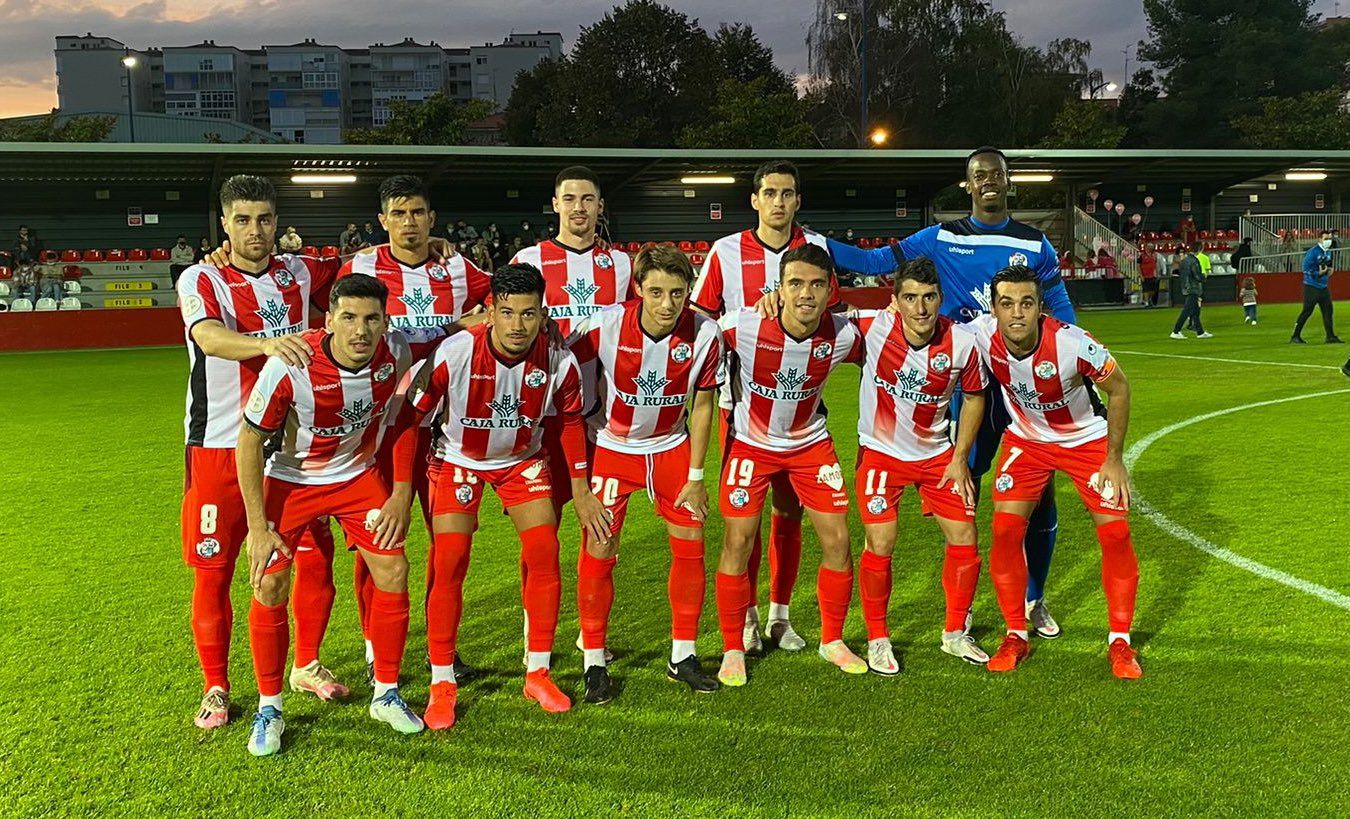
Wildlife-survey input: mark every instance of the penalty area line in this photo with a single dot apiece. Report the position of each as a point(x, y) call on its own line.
point(1181, 533)
point(1231, 360)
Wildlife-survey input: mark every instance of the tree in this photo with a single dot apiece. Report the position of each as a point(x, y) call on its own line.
point(750, 115)
point(742, 57)
point(1317, 120)
point(50, 128)
point(1218, 60)
point(437, 120)
point(1138, 96)
point(533, 90)
point(1084, 124)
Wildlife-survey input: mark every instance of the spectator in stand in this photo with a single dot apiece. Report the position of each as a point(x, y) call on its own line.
point(371, 235)
point(1244, 251)
point(517, 245)
point(350, 240)
point(1148, 271)
point(467, 232)
point(1106, 265)
point(181, 257)
point(290, 241)
point(501, 254)
point(1186, 231)
point(1193, 287)
point(481, 256)
point(25, 272)
point(528, 234)
point(204, 248)
point(492, 233)
point(1317, 268)
point(51, 285)
point(1248, 298)
point(849, 238)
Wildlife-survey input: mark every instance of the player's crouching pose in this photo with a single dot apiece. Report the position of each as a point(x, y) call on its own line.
point(1043, 366)
point(648, 357)
point(778, 367)
point(333, 412)
point(498, 381)
point(915, 359)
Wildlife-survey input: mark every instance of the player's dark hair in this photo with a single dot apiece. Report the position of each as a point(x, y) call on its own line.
point(403, 186)
point(1014, 274)
point(664, 258)
point(781, 166)
point(985, 149)
point(517, 280)
point(358, 286)
point(920, 270)
point(245, 188)
point(577, 172)
point(814, 255)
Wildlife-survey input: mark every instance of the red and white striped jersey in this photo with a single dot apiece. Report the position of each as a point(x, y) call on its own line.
point(494, 407)
point(741, 269)
point(334, 418)
point(578, 283)
point(1047, 394)
point(776, 379)
point(906, 390)
point(644, 384)
point(432, 294)
point(272, 303)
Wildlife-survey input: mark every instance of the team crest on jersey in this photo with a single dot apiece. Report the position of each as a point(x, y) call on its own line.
point(283, 277)
point(535, 378)
point(438, 273)
point(1004, 482)
point(464, 494)
point(190, 306)
point(1046, 369)
point(603, 261)
point(207, 548)
point(274, 312)
point(876, 505)
point(832, 476)
point(941, 362)
point(257, 402)
point(1017, 260)
point(418, 300)
point(681, 353)
point(822, 351)
point(383, 373)
point(739, 498)
point(533, 471)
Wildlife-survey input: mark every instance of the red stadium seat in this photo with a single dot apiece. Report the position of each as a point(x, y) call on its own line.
point(309, 250)
point(137, 255)
point(159, 254)
point(686, 246)
point(72, 271)
point(6, 273)
point(70, 255)
point(702, 246)
point(1230, 234)
point(116, 256)
point(49, 257)
point(696, 259)
point(634, 247)
point(329, 252)
point(92, 256)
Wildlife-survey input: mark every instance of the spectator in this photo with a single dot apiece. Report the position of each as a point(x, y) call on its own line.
point(1186, 231)
point(1193, 288)
point(517, 245)
point(51, 286)
point(1244, 251)
point(204, 249)
point(492, 232)
point(372, 235)
point(482, 258)
point(467, 232)
point(1317, 264)
point(1248, 297)
point(350, 240)
point(527, 234)
point(181, 257)
point(849, 237)
point(1106, 265)
point(290, 241)
point(25, 273)
point(500, 253)
point(1148, 272)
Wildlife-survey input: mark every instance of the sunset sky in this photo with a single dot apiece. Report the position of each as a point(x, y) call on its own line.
point(28, 27)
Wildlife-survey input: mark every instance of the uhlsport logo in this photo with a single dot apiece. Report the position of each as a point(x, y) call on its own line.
point(207, 548)
point(1046, 369)
point(274, 313)
point(1004, 482)
point(418, 300)
point(681, 353)
point(876, 505)
point(941, 362)
point(739, 498)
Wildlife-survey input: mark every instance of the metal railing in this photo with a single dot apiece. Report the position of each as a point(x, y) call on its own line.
point(1091, 236)
point(1289, 262)
point(1275, 234)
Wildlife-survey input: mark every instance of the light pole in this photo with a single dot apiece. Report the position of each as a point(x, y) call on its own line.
point(129, 62)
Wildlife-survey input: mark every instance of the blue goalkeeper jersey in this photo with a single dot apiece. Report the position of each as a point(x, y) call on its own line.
point(967, 254)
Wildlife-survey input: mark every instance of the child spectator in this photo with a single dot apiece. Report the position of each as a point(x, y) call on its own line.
point(1248, 297)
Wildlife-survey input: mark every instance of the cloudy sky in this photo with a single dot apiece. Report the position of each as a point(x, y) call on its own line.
point(28, 27)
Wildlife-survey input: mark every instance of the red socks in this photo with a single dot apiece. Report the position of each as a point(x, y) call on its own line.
point(212, 619)
point(388, 633)
point(595, 597)
point(312, 592)
point(874, 586)
point(685, 587)
point(834, 591)
point(960, 571)
point(1008, 567)
point(269, 637)
point(1120, 573)
point(448, 563)
point(542, 585)
point(785, 557)
point(733, 597)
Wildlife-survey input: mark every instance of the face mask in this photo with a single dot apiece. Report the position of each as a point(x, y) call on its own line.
point(1326, 244)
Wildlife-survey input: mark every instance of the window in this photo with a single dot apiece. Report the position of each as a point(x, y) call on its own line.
point(206, 64)
point(480, 60)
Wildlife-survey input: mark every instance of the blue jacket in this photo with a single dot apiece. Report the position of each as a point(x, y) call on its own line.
point(1312, 261)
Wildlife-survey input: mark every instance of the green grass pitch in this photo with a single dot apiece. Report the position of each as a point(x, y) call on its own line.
point(1243, 707)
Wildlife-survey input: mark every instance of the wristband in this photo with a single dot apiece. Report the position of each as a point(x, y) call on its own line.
point(695, 474)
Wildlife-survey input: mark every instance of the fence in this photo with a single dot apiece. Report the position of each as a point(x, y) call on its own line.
point(1278, 234)
point(1090, 237)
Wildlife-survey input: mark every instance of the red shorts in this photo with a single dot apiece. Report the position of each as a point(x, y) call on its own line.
point(880, 480)
point(616, 475)
point(459, 490)
point(782, 487)
point(292, 507)
point(421, 481)
point(813, 471)
point(1025, 468)
point(214, 522)
point(552, 449)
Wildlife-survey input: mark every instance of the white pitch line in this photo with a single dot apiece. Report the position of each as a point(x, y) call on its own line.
point(1180, 532)
point(1230, 360)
